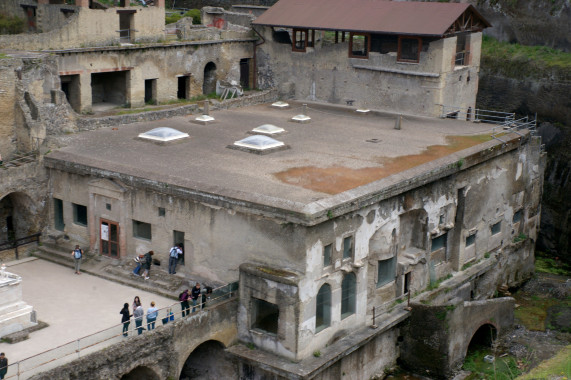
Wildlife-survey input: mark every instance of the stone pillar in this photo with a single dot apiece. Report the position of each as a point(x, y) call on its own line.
point(85, 103)
point(82, 3)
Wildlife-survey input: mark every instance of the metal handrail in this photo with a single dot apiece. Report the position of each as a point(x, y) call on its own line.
point(14, 244)
point(49, 359)
point(476, 115)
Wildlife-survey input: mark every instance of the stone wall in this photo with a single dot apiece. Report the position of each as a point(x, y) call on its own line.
point(325, 73)
point(92, 27)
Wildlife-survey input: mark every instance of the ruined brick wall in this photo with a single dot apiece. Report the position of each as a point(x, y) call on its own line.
point(7, 106)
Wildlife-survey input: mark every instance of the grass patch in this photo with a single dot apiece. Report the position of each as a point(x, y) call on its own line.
point(138, 110)
point(519, 61)
point(171, 18)
point(505, 368)
point(558, 367)
point(532, 311)
point(520, 237)
point(11, 24)
point(546, 264)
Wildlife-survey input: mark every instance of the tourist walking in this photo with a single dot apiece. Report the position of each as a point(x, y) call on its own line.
point(173, 258)
point(138, 314)
point(77, 254)
point(152, 313)
point(194, 294)
point(125, 318)
point(206, 296)
point(148, 263)
point(3, 365)
point(183, 298)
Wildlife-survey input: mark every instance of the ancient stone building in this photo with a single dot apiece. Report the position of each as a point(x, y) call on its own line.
point(329, 217)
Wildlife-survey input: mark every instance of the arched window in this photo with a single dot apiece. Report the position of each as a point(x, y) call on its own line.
point(323, 308)
point(348, 290)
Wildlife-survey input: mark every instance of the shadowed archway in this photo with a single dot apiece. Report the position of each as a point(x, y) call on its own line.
point(209, 82)
point(485, 336)
point(18, 216)
point(208, 361)
point(141, 373)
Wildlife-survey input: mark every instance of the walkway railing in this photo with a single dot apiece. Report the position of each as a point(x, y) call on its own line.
point(86, 345)
point(476, 115)
point(14, 244)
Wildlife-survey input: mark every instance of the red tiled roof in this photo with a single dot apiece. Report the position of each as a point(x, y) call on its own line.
point(376, 16)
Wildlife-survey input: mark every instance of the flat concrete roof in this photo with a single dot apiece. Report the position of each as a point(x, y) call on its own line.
point(337, 157)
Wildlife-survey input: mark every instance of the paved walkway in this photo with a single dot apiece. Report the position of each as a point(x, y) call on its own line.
point(73, 305)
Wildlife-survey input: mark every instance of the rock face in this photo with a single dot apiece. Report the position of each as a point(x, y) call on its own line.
point(546, 94)
point(529, 22)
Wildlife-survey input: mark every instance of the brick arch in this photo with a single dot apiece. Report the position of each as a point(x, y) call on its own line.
point(18, 216)
point(208, 361)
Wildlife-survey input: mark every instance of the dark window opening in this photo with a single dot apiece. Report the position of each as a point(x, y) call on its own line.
point(323, 308)
point(245, 73)
point(359, 45)
point(470, 240)
point(126, 26)
point(265, 316)
point(162, 211)
point(109, 87)
point(348, 295)
point(517, 216)
point(70, 87)
point(461, 51)
point(108, 206)
point(384, 43)
point(327, 255)
point(409, 49)
point(299, 40)
point(439, 242)
point(142, 230)
point(347, 247)
point(79, 214)
point(386, 271)
point(496, 228)
point(58, 214)
point(209, 79)
point(281, 36)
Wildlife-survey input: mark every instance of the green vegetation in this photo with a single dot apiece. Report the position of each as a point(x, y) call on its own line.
point(4, 56)
point(520, 237)
point(503, 368)
point(558, 367)
point(137, 110)
point(519, 61)
point(11, 24)
point(317, 353)
point(192, 13)
point(435, 284)
point(547, 264)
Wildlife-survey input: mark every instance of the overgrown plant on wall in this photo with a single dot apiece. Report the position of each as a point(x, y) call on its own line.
point(11, 24)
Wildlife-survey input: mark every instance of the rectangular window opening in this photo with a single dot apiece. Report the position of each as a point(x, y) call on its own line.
point(58, 214)
point(299, 40)
point(142, 230)
point(348, 247)
point(470, 240)
point(386, 271)
point(150, 91)
point(183, 88)
point(406, 286)
point(359, 45)
point(327, 255)
point(108, 206)
point(79, 214)
point(265, 316)
point(496, 228)
point(409, 49)
point(162, 211)
point(439, 242)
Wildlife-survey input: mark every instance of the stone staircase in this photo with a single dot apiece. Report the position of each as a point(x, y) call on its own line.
point(55, 254)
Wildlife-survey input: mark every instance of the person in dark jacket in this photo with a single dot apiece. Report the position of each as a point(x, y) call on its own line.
point(184, 297)
point(148, 263)
point(195, 294)
point(125, 318)
point(3, 365)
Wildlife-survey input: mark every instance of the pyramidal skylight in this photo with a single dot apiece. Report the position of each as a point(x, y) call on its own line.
point(259, 142)
point(163, 134)
point(268, 129)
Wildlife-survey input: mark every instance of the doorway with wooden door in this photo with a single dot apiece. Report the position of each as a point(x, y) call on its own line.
point(109, 238)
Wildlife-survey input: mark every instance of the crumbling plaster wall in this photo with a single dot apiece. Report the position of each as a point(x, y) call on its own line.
point(92, 27)
point(161, 62)
point(326, 73)
point(494, 190)
point(48, 16)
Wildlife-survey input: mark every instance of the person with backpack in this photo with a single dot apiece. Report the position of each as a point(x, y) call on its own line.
point(194, 294)
point(173, 258)
point(77, 254)
point(183, 298)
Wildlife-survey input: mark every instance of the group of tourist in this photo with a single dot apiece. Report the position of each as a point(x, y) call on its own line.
point(196, 295)
point(138, 314)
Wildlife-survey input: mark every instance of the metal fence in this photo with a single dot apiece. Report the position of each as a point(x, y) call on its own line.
point(514, 126)
point(476, 115)
point(78, 348)
point(15, 243)
point(125, 35)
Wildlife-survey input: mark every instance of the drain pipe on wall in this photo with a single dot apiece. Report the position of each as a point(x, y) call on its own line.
point(255, 58)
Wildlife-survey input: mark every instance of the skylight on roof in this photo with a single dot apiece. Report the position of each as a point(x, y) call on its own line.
point(163, 134)
point(259, 142)
point(269, 129)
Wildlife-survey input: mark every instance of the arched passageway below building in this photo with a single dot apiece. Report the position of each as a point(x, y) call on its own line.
point(141, 373)
point(208, 361)
point(209, 82)
point(485, 336)
point(18, 216)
